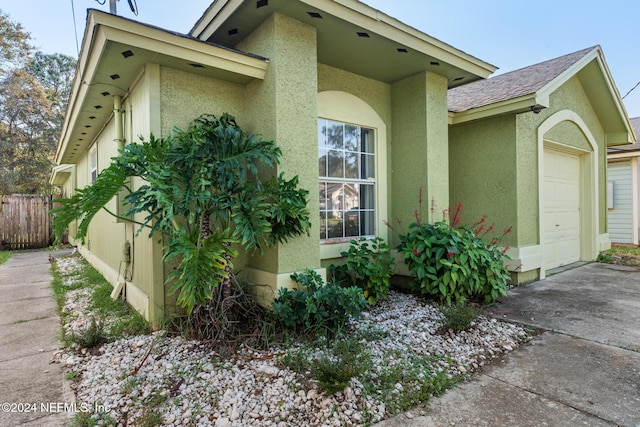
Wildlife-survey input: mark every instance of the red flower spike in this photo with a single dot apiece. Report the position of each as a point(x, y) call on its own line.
point(433, 205)
point(417, 215)
point(416, 252)
point(452, 254)
point(504, 250)
point(389, 225)
point(420, 196)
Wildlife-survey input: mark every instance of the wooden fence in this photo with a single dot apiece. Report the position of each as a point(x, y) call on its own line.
point(25, 222)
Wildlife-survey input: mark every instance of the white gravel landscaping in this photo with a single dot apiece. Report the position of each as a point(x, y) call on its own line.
point(185, 383)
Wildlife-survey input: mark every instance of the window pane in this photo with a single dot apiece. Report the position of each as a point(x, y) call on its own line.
point(335, 135)
point(351, 199)
point(351, 137)
point(334, 225)
point(322, 133)
point(368, 143)
point(368, 166)
point(351, 165)
point(322, 162)
point(367, 223)
point(367, 197)
point(323, 196)
point(323, 225)
point(351, 225)
point(336, 164)
point(335, 201)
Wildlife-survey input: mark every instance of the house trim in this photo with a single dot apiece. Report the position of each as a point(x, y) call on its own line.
point(591, 240)
point(348, 108)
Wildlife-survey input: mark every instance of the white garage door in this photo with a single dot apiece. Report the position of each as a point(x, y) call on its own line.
point(561, 208)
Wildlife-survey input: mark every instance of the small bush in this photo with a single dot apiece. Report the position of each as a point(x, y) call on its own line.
point(459, 316)
point(317, 305)
point(369, 266)
point(93, 336)
point(454, 264)
point(350, 359)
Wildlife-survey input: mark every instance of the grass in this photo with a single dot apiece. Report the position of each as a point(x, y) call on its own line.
point(622, 255)
point(109, 319)
point(4, 256)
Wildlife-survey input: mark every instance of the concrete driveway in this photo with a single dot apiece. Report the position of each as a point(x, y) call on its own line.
point(31, 388)
point(584, 369)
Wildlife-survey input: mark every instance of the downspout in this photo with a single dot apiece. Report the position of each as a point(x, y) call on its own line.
point(117, 118)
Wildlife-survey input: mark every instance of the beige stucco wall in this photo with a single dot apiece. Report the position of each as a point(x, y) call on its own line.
point(419, 148)
point(283, 108)
point(500, 156)
point(482, 173)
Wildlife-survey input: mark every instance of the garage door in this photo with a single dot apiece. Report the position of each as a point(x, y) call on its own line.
point(561, 208)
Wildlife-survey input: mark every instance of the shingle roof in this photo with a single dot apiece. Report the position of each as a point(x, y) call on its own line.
point(514, 84)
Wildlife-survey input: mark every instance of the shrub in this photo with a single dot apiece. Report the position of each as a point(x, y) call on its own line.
point(369, 266)
point(454, 264)
point(316, 304)
point(349, 359)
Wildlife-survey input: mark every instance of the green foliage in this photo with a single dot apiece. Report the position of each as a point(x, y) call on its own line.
point(349, 359)
point(454, 264)
point(317, 305)
point(34, 88)
point(203, 192)
point(93, 336)
point(4, 256)
point(369, 266)
point(459, 316)
point(406, 381)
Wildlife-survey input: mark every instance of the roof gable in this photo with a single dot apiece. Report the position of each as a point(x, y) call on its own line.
point(529, 89)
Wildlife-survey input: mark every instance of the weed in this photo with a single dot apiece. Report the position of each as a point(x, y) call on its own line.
point(459, 316)
point(93, 336)
point(150, 418)
point(4, 256)
point(72, 375)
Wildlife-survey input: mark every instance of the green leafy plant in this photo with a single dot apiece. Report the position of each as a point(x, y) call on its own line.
point(93, 336)
point(316, 304)
point(459, 316)
point(349, 358)
point(453, 263)
point(369, 266)
point(203, 192)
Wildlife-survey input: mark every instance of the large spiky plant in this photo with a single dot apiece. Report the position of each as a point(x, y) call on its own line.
point(203, 192)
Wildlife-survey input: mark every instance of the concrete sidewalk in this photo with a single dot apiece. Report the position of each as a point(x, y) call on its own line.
point(29, 332)
point(584, 370)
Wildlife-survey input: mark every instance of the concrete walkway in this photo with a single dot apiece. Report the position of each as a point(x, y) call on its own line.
point(30, 388)
point(583, 370)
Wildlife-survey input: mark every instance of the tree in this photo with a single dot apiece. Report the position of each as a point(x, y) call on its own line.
point(34, 89)
point(204, 192)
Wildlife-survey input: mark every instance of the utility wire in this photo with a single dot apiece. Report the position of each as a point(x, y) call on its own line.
point(631, 90)
point(75, 28)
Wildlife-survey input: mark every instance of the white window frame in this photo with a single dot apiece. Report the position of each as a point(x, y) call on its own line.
point(93, 165)
point(346, 108)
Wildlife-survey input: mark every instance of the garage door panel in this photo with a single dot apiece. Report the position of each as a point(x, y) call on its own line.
point(561, 208)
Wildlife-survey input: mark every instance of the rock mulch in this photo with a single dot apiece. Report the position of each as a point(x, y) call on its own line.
point(184, 382)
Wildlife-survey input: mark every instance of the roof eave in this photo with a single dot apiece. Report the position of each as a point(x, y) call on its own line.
point(365, 17)
point(510, 106)
point(103, 28)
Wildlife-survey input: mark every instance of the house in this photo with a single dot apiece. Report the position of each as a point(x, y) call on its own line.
point(623, 186)
point(357, 101)
point(528, 149)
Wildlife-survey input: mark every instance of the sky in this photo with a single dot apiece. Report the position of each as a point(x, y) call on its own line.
point(505, 33)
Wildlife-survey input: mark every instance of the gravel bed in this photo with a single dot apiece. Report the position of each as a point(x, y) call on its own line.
point(187, 384)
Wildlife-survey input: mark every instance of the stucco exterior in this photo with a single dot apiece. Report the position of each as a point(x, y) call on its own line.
point(278, 71)
point(497, 169)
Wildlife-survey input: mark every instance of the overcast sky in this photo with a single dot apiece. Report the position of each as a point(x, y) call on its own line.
point(508, 34)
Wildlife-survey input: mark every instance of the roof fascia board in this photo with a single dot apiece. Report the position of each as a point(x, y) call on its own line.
point(620, 138)
point(367, 18)
point(373, 20)
point(515, 105)
point(80, 88)
point(561, 79)
point(102, 28)
point(207, 18)
point(623, 155)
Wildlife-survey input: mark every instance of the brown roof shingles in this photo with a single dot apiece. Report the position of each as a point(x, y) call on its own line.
point(525, 81)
